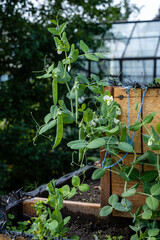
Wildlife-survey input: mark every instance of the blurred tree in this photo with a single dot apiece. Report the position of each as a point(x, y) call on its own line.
point(25, 42)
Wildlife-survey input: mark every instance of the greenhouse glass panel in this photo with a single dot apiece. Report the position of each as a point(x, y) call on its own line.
point(138, 71)
point(113, 48)
point(158, 52)
point(142, 47)
point(106, 67)
point(147, 29)
point(158, 69)
point(119, 30)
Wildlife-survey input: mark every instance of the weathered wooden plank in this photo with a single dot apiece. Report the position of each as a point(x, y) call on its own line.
point(132, 114)
point(74, 206)
point(105, 183)
point(151, 104)
point(120, 92)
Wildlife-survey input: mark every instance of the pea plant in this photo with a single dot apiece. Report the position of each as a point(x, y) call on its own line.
point(98, 126)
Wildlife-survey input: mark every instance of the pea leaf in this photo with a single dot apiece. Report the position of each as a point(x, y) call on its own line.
point(75, 181)
point(99, 55)
point(125, 147)
point(152, 202)
point(47, 126)
point(84, 187)
point(158, 128)
point(53, 31)
point(98, 173)
point(77, 144)
point(136, 126)
point(62, 28)
point(113, 199)
point(129, 193)
point(84, 47)
point(148, 176)
point(149, 118)
point(147, 214)
point(155, 189)
point(91, 57)
point(153, 232)
point(105, 211)
point(96, 143)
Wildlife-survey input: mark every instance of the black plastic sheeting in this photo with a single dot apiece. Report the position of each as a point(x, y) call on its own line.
point(13, 202)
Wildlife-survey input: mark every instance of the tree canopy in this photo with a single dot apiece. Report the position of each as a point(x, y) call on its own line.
point(25, 41)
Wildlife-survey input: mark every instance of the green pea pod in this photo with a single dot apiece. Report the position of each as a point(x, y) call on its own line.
point(81, 136)
point(59, 133)
point(55, 91)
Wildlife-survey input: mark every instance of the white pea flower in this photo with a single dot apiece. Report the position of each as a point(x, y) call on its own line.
point(118, 111)
point(108, 99)
point(116, 120)
point(93, 123)
point(59, 51)
point(69, 68)
point(150, 141)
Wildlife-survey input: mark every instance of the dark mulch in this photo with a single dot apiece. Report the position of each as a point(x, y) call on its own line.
point(92, 196)
point(88, 226)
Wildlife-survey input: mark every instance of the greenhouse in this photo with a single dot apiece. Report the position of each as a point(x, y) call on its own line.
point(132, 51)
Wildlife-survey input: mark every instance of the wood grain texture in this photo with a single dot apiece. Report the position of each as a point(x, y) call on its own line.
point(105, 183)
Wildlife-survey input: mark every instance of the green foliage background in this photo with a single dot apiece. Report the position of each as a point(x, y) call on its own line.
point(25, 42)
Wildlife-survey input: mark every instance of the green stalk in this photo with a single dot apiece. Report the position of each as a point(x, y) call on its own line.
point(76, 105)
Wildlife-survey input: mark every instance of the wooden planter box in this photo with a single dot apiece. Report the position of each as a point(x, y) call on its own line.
point(112, 183)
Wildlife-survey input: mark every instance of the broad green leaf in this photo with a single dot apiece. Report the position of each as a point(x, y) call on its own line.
point(77, 144)
point(134, 175)
point(91, 57)
point(153, 232)
point(96, 143)
point(83, 78)
point(66, 220)
point(72, 193)
point(53, 21)
point(54, 111)
point(47, 118)
point(84, 187)
point(136, 126)
point(123, 133)
point(113, 130)
point(134, 228)
point(52, 225)
point(142, 157)
point(152, 203)
point(50, 69)
point(105, 211)
point(48, 126)
point(148, 176)
point(118, 206)
point(155, 134)
point(65, 190)
point(129, 193)
point(99, 55)
point(155, 189)
point(95, 78)
point(125, 147)
point(88, 115)
point(147, 214)
point(134, 237)
point(152, 158)
point(158, 128)
point(149, 118)
point(124, 175)
point(76, 181)
point(113, 199)
point(98, 173)
point(62, 28)
point(104, 109)
point(126, 203)
point(84, 47)
point(46, 75)
point(53, 31)
point(68, 118)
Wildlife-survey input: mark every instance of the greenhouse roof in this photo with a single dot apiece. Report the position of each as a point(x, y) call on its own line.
point(133, 40)
point(132, 52)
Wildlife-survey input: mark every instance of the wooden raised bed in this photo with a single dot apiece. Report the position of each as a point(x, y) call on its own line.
point(112, 183)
